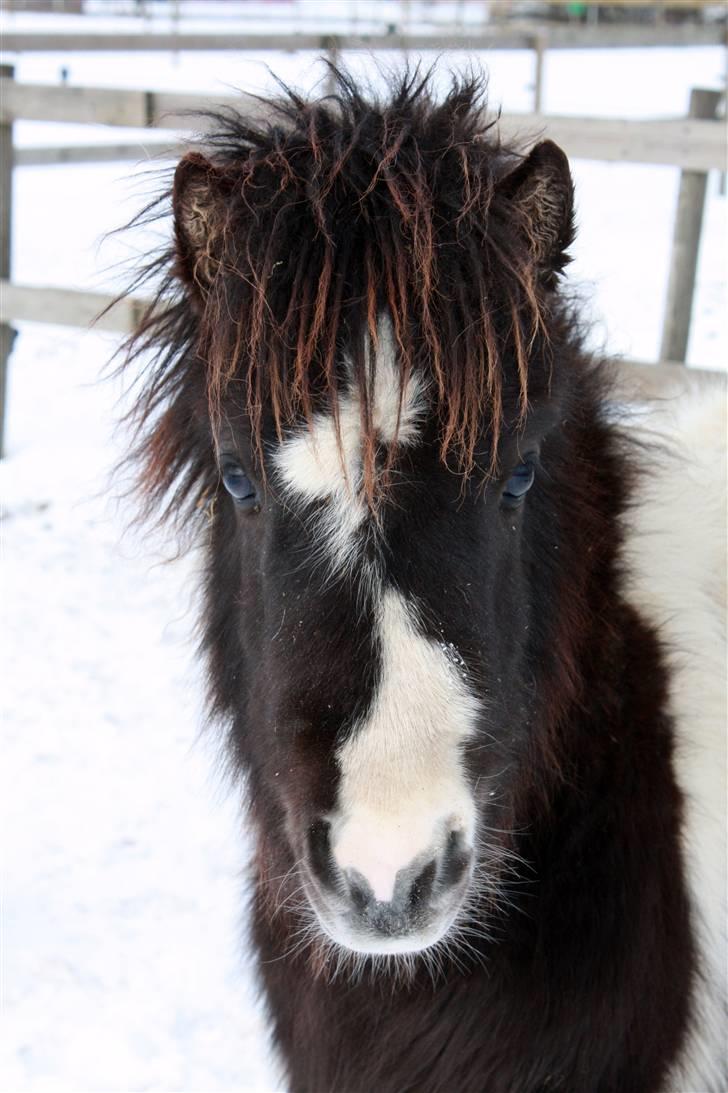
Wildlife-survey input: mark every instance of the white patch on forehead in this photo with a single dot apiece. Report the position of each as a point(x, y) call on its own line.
point(313, 466)
point(387, 391)
point(403, 786)
point(319, 465)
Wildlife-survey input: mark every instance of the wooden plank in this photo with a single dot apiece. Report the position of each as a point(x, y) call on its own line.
point(679, 142)
point(516, 36)
point(539, 49)
point(152, 150)
point(70, 307)
point(636, 380)
point(682, 146)
point(639, 381)
point(181, 110)
point(84, 105)
point(66, 307)
point(691, 144)
point(164, 42)
point(7, 333)
point(686, 243)
point(110, 106)
point(6, 183)
point(56, 7)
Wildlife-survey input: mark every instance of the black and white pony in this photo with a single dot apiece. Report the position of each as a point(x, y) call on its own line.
point(463, 628)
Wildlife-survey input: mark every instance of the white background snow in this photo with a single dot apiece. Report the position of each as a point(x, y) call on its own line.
point(125, 965)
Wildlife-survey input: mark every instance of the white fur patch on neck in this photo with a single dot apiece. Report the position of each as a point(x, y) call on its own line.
point(321, 465)
point(677, 556)
point(403, 785)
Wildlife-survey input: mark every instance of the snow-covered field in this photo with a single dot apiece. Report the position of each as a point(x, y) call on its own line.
point(125, 966)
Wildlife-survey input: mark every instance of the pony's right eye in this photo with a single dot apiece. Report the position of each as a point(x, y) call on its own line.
point(519, 484)
point(239, 486)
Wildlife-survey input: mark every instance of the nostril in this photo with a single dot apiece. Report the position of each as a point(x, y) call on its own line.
point(421, 888)
point(360, 893)
point(455, 859)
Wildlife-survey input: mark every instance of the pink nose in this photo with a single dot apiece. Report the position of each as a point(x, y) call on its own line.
point(413, 902)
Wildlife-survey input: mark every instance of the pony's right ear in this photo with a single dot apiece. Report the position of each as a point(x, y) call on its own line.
point(198, 206)
point(542, 191)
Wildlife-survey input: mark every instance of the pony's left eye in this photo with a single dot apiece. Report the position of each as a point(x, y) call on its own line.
point(519, 484)
point(239, 486)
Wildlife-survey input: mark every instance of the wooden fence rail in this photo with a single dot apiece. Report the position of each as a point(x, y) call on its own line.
point(137, 151)
point(553, 36)
point(68, 307)
point(689, 143)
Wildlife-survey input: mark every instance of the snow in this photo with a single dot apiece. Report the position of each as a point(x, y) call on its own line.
point(123, 855)
point(124, 851)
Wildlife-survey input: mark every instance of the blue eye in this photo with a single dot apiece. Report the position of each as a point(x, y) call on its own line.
point(239, 486)
point(519, 483)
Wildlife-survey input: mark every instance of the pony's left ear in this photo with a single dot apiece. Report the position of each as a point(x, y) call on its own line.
point(542, 191)
point(198, 203)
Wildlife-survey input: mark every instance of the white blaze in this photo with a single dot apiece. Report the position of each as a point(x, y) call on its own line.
point(402, 783)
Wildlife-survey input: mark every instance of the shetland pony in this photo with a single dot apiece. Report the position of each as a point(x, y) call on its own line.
point(465, 660)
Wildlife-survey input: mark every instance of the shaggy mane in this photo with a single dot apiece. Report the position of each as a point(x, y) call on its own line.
point(327, 212)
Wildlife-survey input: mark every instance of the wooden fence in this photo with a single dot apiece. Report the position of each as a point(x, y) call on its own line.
point(513, 35)
point(696, 144)
point(692, 144)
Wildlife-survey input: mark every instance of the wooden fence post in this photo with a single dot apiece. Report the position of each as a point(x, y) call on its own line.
point(685, 243)
point(7, 333)
point(331, 45)
point(539, 46)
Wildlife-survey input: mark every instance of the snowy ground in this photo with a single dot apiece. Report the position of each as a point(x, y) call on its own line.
point(124, 853)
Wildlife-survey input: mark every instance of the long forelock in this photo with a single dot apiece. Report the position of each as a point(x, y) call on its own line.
point(337, 210)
